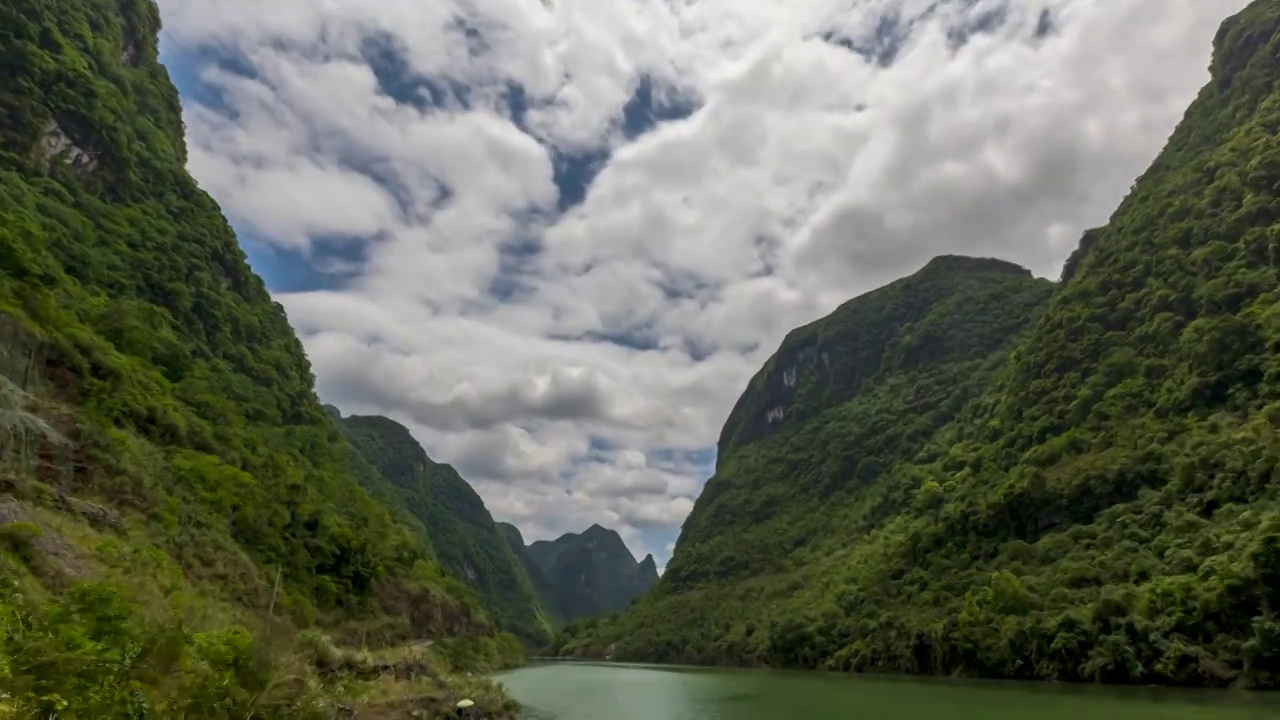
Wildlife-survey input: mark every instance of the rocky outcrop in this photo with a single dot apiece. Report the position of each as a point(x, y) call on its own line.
point(894, 328)
point(57, 146)
point(38, 545)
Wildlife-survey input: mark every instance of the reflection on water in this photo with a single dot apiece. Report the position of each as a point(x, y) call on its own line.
point(586, 691)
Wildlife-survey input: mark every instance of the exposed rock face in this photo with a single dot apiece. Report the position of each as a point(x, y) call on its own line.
point(102, 518)
point(55, 144)
point(130, 48)
point(21, 529)
point(829, 361)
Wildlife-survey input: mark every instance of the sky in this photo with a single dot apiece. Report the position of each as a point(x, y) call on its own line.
point(555, 238)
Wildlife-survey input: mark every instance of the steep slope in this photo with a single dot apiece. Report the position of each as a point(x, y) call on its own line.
point(843, 400)
point(161, 438)
point(586, 575)
point(542, 587)
point(467, 542)
point(807, 460)
point(1104, 509)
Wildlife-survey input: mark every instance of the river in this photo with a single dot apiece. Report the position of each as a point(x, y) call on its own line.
point(584, 691)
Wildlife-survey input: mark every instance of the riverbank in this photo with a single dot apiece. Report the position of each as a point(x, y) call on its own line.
point(96, 620)
point(429, 697)
point(419, 680)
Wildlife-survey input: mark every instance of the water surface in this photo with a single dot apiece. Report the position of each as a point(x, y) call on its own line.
point(585, 691)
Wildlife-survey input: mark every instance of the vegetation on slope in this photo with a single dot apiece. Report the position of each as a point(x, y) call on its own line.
point(532, 570)
point(468, 543)
point(843, 400)
point(1097, 502)
point(587, 574)
point(174, 502)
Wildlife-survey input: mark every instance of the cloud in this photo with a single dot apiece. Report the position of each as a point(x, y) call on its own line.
point(572, 230)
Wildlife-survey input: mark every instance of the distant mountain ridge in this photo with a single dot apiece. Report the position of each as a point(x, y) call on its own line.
point(588, 574)
point(528, 591)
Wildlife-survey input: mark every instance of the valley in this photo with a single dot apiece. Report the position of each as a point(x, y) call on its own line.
point(969, 473)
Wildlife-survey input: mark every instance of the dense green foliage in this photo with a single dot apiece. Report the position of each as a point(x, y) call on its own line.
point(195, 397)
point(584, 575)
point(468, 543)
point(156, 391)
point(542, 587)
point(87, 653)
point(859, 391)
point(1094, 499)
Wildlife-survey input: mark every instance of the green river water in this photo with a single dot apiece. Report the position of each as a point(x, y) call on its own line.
point(583, 691)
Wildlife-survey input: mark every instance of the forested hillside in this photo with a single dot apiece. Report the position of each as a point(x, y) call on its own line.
point(537, 578)
point(584, 574)
point(468, 543)
point(959, 474)
point(181, 529)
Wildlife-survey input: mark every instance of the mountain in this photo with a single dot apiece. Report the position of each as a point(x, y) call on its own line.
point(584, 575)
point(971, 472)
point(468, 544)
point(841, 403)
point(170, 487)
point(541, 585)
point(526, 590)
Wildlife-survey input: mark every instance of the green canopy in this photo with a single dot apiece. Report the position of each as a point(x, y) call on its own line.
point(465, 703)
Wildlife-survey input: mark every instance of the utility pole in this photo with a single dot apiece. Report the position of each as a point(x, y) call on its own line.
point(271, 608)
point(28, 367)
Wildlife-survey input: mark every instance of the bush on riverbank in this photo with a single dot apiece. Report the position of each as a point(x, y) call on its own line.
point(95, 649)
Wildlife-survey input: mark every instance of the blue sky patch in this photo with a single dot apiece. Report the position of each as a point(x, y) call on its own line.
point(186, 65)
point(651, 105)
point(574, 173)
point(987, 21)
point(1046, 25)
point(328, 264)
point(516, 274)
point(882, 46)
point(386, 59)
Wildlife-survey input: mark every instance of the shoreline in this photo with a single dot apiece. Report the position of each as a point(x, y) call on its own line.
point(1235, 689)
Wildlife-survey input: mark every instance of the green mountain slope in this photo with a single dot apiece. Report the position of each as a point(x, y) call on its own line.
point(169, 485)
point(468, 543)
point(843, 400)
point(585, 575)
point(542, 587)
point(1095, 501)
